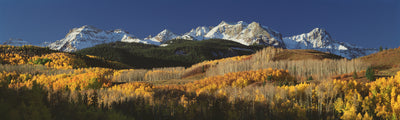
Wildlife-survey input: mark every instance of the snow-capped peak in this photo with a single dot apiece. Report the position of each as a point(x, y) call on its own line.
point(164, 36)
point(222, 23)
point(246, 34)
point(232, 23)
point(317, 38)
point(320, 39)
point(165, 32)
point(199, 31)
point(88, 36)
point(320, 32)
point(86, 28)
point(196, 34)
point(241, 32)
point(16, 42)
point(241, 22)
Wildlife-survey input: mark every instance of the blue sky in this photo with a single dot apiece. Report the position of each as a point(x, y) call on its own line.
point(367, 23)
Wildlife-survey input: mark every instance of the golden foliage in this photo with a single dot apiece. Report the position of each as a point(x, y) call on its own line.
point(239, 79)
point(124, 91)
point(79, 79)
point(61, 60)
point(274, 90)
point(58, 60)
point(13, 59)
point(135, 88)
point(15, 55)
point(302, 69)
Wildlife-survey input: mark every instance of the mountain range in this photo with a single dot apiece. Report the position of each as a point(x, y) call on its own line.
point(16, 42)
point(245, 33)
point(319, 39)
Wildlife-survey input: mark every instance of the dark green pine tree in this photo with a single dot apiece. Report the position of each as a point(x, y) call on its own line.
point(370, 74)
point(310, 78)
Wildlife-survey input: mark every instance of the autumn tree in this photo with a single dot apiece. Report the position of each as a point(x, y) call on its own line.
point(355, 76)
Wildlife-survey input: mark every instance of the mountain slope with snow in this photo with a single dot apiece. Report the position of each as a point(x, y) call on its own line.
point(16, 42)
point(196, 34)
point(320, 39)
point(240, 32)
point(161, 37)
point(88, 36)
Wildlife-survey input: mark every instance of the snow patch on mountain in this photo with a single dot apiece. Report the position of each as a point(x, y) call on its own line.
point(246, 34)
point(241, 32)
point(16, 42)
point(89, 36)
point(196, 34)
point(320, 39)
point(161, 37)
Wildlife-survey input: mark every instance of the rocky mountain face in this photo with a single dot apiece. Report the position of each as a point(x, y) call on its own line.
point(88, 36)
point(161, 37)
point(246, 34)
point(16, 42)
point(320, 39)
point(196, 34)
point(317, 38)
point(241, 32)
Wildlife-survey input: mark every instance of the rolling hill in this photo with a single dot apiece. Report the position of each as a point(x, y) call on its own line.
point(386, 61)
point(176, 52)
point(27, 54)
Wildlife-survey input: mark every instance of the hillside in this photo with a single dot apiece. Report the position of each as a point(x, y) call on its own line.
point(177, 52)
point(19, 55)
point(269, 57)
point(387, 61)
point(270, 83)
point(274, 85)
point(304, 54)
